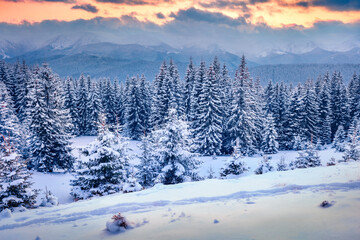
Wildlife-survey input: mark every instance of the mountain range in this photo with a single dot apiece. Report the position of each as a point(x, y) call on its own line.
point(71, 56)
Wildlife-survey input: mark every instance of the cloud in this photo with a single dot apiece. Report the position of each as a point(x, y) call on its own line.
point(232, 4)
point(160, 15)
point(336, 5)
point(193, 14)
point(64, 1)
point(126, 2)
point(86, 7)
point(200, 28)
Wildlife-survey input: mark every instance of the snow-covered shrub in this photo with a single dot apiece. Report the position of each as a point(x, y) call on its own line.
point(281, 165)
point(15, 185)
point(49, 200)
point(131, 185)
point(306, 158)
point(172, 151)
point(211, 173)
point(331, 162)
point(106, 169)
point(264, 166)
point(118, 224)
point(149, 166)
point(298, 143)
point(339, 139)
point(234, 167)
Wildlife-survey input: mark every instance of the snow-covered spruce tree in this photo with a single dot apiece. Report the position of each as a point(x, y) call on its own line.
point(281, 165)
point(241, 122)
point(176, 87)
point(136, 109)
point(352, 149)
point(307, 158)
point(70, 103)
point(15, 184)
point(324, 123)
point(82, 107)
point(107, 166)
point(188, 88)
point(339, 139)
point(162, 97)
point(49, 140)
point(235, 166)
point(208, 133)
point(177, 163)
point(149, 166)
point(264, 166)
point(269, 143)
point(195, 113)
point(296, 116)
point(9, 123)
point(95, 108)
point(310, 112)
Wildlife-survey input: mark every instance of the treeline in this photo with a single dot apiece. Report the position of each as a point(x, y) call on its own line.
point(41, 112)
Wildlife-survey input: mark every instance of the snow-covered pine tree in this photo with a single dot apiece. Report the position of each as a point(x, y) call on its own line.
point(177, 163)
point(149, 166)
point(354, 97)
point(226, 97)
point(108, 102)
point(340, 139)
point(235, 166)
point(264, 166)
point(241, 122)
point(324, 122)
point(107, 166)
point(133, 115)
point(82, 107)
point(307, 158)
point(145, 106)
point(269, 143)
point(208, 134)
point(281, 165)
point(176, 88)
point(195, 114)
point(188, 88)
point(95, 108)
point(49, 140)
point(352, 149)
point(310, 112)
point(296, 115)
point(282, 124)
point(70, 104)
point(162, 96)
point(15, 184)
point(10, 127)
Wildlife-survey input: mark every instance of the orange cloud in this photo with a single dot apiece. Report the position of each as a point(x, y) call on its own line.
point(275, 13)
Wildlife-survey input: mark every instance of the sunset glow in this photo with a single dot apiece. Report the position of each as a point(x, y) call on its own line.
point(271, 12)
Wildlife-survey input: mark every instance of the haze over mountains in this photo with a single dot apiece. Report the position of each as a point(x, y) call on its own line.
point(73, 55)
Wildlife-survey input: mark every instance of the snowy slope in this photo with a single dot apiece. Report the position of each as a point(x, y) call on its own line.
point(276, 205)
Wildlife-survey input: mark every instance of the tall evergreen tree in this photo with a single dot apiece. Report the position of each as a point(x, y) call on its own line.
point(208, 134)
point(49, 141)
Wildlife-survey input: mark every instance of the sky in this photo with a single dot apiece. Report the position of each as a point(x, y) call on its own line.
point(254, 26)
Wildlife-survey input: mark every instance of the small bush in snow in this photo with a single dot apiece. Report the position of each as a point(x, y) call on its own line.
point(352, 149)
point(49, 200)
point(211, 173)
point(339, 139)
point(131, 185)
point(234, 167)
point(307, 158)
point(118, 224)
point(332, 162)
point(281, 165)
point(264, 166)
